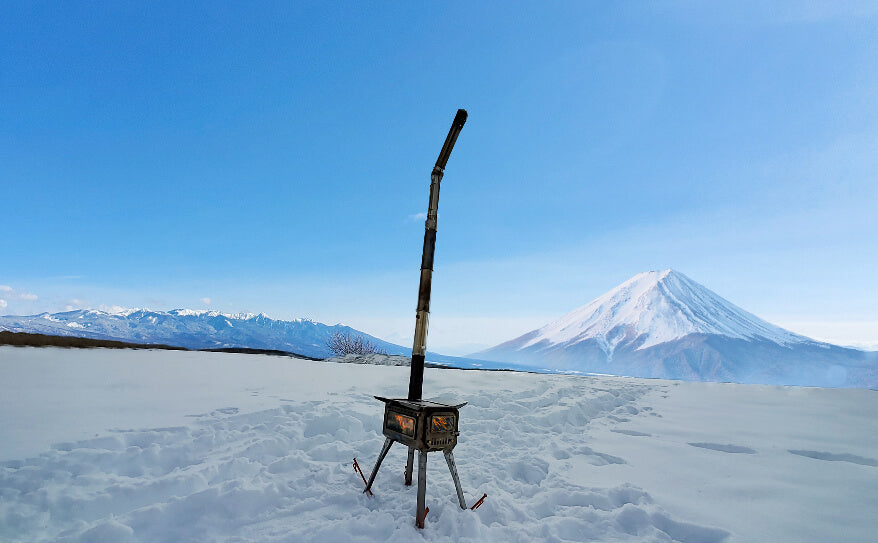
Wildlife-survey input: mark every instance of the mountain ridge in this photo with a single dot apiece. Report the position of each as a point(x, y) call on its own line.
point(662, 305)
point(663, 324)
point(192, 329)
point(199, 329)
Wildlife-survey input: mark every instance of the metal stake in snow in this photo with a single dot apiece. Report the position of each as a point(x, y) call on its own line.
point(418, 424)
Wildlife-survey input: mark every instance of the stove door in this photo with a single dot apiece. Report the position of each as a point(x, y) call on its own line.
point(400, 424)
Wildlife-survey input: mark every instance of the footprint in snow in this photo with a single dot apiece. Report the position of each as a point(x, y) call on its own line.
point(631, 433)
point(596, 458)
point(832, 457)
point(735, 449)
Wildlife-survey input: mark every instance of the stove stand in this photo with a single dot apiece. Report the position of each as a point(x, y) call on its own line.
point(424, 426)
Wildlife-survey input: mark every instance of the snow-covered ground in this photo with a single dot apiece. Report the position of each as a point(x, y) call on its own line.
point(107, 445)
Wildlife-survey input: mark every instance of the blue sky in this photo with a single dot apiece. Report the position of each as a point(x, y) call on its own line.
point(276, 158)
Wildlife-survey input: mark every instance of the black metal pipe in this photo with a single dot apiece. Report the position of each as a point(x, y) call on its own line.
point(422, 316)
point(456, 127)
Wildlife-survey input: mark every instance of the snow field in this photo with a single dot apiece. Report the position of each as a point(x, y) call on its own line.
point(562, 458)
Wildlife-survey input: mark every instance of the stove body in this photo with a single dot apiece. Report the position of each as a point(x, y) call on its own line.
point(421, 424)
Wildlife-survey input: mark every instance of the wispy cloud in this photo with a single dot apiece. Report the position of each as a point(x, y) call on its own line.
point(418, 217)
point(112, 309)
point(813, 12)
point(857, 334)
point(10, 293)
point(74, 304)
point(205, 301)
point(755, 12)
point(3, 303)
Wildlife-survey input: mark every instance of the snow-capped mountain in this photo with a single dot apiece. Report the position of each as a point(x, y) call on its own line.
point(656, 307)
point(193, 329)
point(663, 324)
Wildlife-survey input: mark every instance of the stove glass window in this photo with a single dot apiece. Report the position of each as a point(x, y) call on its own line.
point(401, 424)
point(442, 423)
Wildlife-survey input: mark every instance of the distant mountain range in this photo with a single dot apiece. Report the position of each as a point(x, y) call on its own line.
point(663, 324)
point(657, 324)
point(200, 329)
point(193, 329)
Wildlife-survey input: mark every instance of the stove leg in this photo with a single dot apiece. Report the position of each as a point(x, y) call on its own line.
point(422, 489)
point(409, 465)
point(387, 443)
point(449, 459)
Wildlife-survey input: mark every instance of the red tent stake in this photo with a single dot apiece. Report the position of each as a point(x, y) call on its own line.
point(358, 470)
point(420, 521)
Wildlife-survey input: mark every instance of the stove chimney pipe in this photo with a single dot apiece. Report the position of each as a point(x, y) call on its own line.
point(419, 350)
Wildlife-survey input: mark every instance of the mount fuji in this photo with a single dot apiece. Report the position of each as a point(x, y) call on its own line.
point(192, 329)
point(663, 324)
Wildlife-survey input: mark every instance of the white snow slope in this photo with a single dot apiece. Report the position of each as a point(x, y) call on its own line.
point(122, 446)
point(661, 306)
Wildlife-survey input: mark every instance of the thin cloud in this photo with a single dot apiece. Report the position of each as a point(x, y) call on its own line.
point(112, 309)
point(12, 294)
point(814, 12)
point(75, 304)
point(418, 217)
point(205, 301)
point(3, 304)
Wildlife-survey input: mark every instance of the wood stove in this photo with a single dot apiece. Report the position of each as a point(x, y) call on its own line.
point(422, 425)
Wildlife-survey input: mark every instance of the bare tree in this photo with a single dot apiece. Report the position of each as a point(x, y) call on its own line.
point(342, 343)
